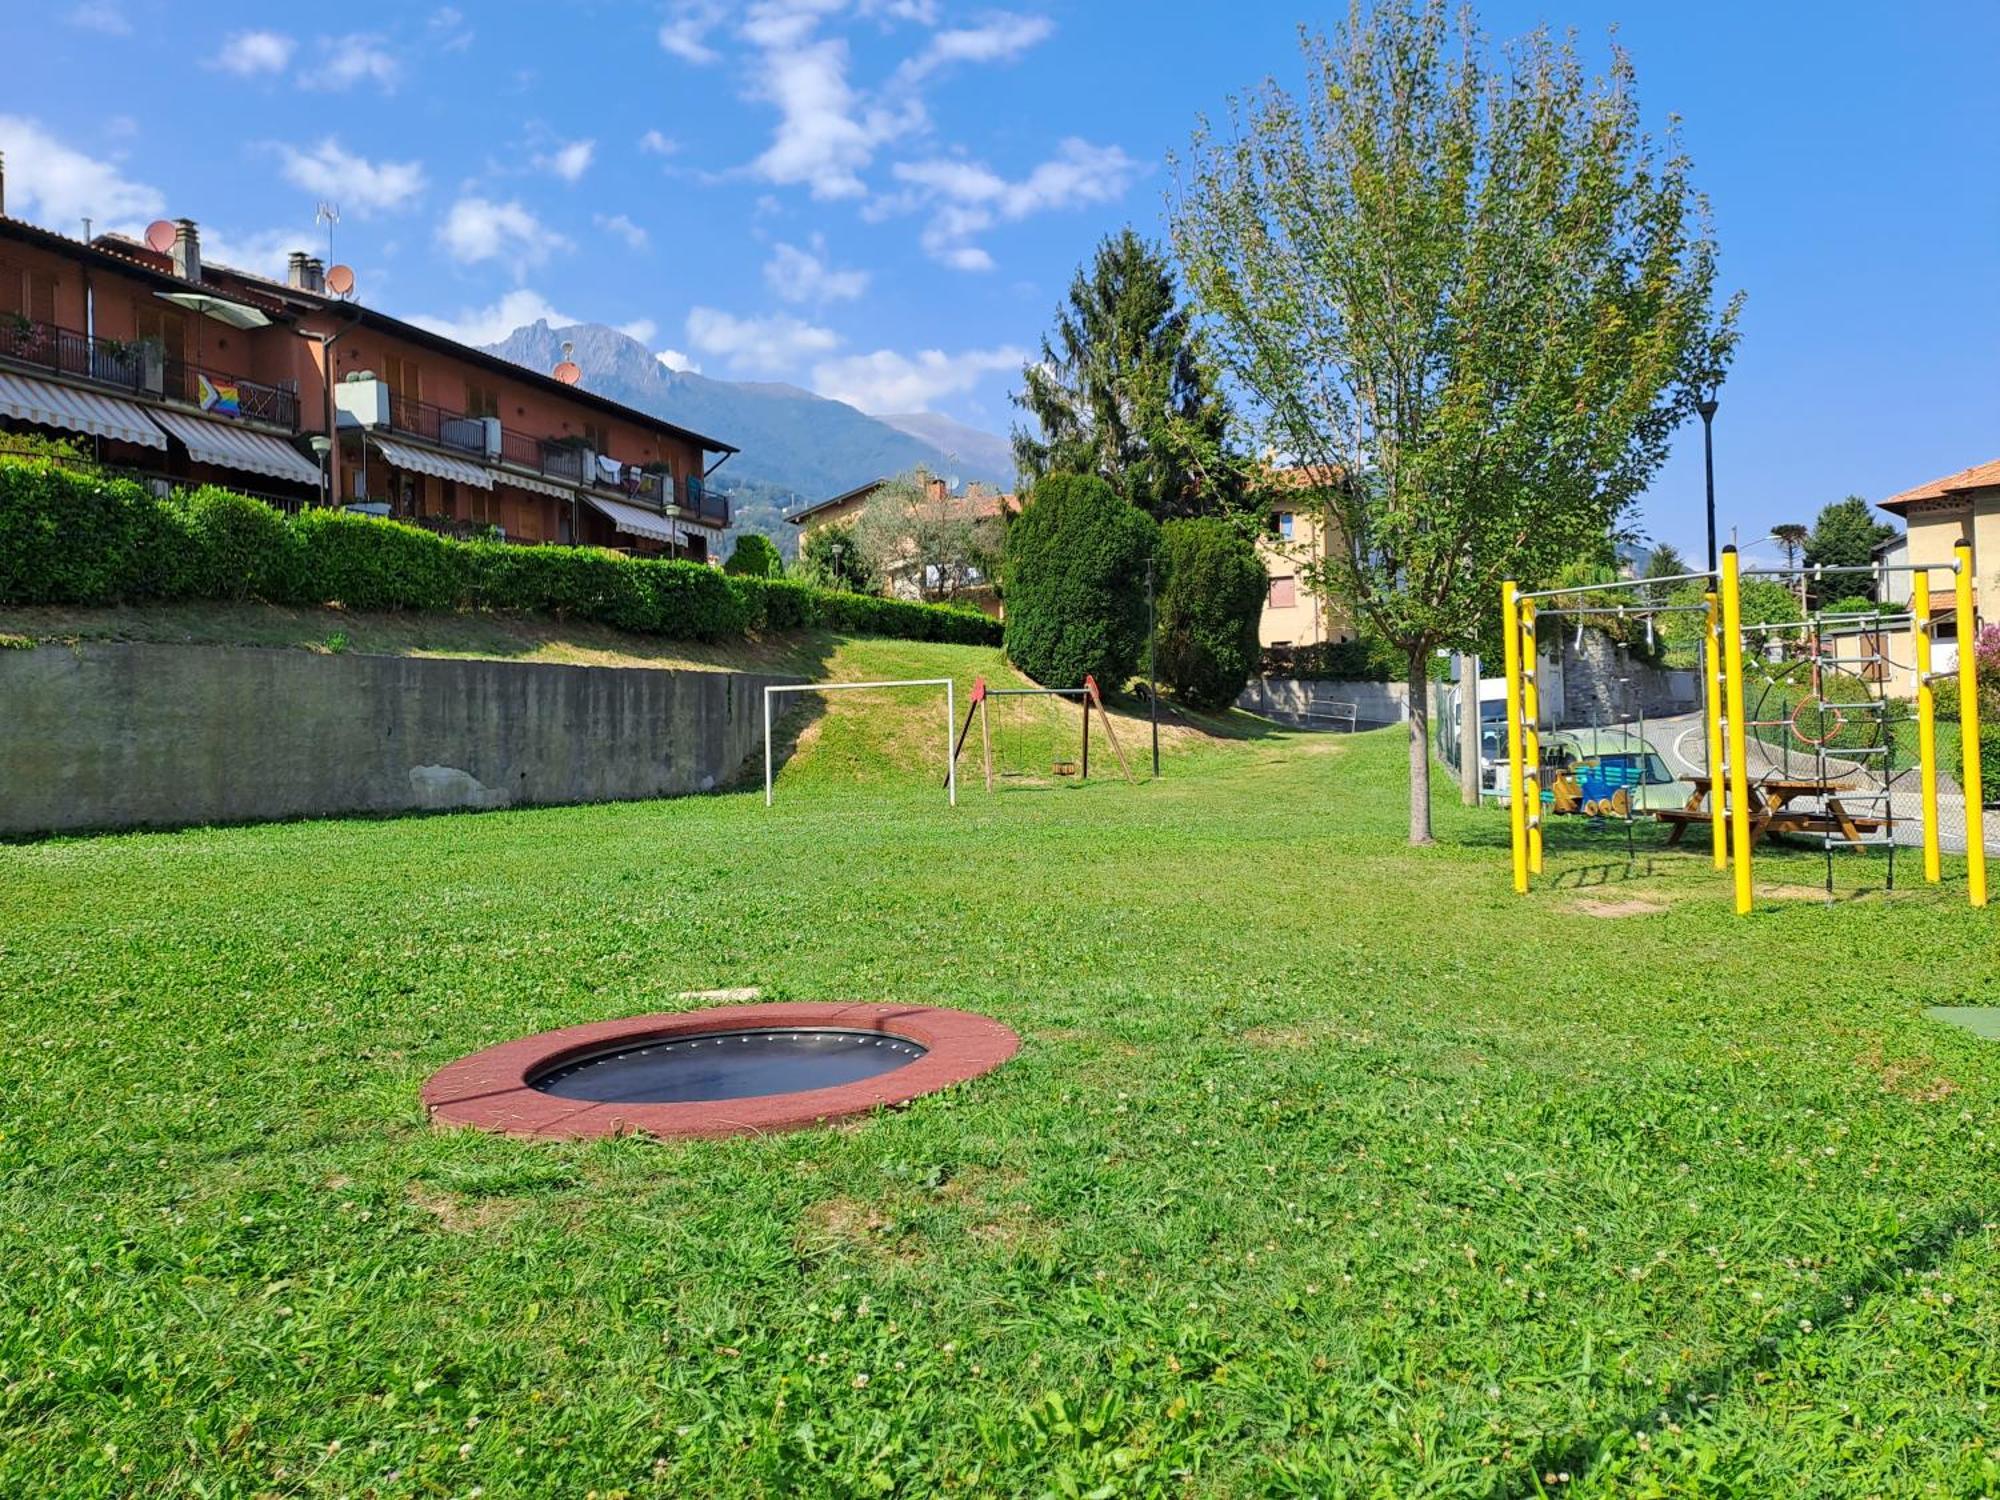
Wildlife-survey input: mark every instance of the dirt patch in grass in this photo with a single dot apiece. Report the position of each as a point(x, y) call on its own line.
point(742, 993)
point(1912, 1078)
point(855, 1225)
point(1609, 908)
point(462, 1215)
point(1293, 1037)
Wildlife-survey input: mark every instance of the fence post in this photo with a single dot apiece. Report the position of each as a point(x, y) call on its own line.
point(1920, 624)
point(1968, 727)
point(1517, 808)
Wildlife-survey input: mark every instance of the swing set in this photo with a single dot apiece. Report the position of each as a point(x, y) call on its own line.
point(1839, 740)
point(1054, 740)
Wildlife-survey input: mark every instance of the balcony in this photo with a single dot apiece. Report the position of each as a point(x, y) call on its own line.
point(141, 369)
point(435, 424)
point(701, 501)
point(229, 395)
point(63, 351)
point(564, 463)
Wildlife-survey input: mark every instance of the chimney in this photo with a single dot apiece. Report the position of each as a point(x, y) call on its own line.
point(937, 489)
point(314, 272)
point(295, 269)
point(3, 184)
point(187, 250)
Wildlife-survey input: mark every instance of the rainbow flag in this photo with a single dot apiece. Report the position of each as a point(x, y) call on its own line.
point(218, 398)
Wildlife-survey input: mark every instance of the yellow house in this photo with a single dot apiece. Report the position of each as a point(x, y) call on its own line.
point(1293, 547)
point(1961, 507)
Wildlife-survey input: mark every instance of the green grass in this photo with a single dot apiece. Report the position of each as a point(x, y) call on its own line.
point(1327, 1167)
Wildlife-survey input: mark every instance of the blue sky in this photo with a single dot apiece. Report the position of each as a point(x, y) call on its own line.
point(883, 199)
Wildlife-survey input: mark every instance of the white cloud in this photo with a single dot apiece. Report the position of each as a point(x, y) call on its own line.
point(100, 16)
point(887, 381)
point(342, 62)
point(685, 32)
point(568, 161)
point(360, 186)
point(261, 250)
point(769, 346)
point(807, 276)
point(641, 329)
point(1001, 38)
point(632, 234)
point(968, 198)
point(248, 53)
point(655, 144)
point(448, 29)
point(678, 362)
point(477, 229)
point(56, 186)
point(490, 324)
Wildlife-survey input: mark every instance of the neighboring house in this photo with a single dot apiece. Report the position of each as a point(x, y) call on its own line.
point(1293, 546)
point(185, 373)
point(847, 508)
point(1961, 507)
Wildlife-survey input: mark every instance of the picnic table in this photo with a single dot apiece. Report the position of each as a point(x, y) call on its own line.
point(1771, 810)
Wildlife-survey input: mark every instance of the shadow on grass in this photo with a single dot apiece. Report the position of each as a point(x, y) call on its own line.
point(1709, 1387)
point(1613, 872)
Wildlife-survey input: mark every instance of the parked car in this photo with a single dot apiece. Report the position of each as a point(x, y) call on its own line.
point(1602, 772)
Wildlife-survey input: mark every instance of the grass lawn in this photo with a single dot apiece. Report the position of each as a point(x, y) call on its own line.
point(1327, 1167)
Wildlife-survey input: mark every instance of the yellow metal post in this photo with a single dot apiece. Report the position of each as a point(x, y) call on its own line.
point(1711, 653)
point(1517, 808)
point(1968, 727)
point(1739, 750)
point(1920, 609)
point(1531, 733)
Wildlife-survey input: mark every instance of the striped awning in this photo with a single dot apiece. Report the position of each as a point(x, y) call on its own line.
point(423, 461)
point(535, 485)
point(629, 518)
point(49, 405)
point(233, 447)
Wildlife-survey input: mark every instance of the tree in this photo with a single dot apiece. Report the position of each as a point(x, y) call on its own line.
point(1666, 561)
point(1123, 390)
point(1470, 292)
point(915, 533)
point(1210, 600)
point(1076, 583)
point(830, 559)
point(1845, 536)
point(1791, 539)
point(756, 556)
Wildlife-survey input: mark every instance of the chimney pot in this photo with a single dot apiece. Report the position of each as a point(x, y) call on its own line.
point(187, 250)
point(295, 269)
point(315, 274)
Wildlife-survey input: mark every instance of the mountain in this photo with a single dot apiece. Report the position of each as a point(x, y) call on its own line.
point(797, 447)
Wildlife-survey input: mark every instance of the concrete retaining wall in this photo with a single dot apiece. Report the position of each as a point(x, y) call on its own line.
point(1286, 698)
point(126, 735)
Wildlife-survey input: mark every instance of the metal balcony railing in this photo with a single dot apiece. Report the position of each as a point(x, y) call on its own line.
point(230, 395)
point(64, 351)
point(698, 499)
point(437, 424)
point(564, 463)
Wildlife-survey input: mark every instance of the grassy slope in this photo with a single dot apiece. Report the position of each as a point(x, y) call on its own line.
point(1327, 1165)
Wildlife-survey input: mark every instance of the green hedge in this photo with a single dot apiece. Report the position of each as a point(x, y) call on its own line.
point(76, 538)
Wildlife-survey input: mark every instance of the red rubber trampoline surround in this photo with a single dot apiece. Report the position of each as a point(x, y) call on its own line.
point(495, 1089)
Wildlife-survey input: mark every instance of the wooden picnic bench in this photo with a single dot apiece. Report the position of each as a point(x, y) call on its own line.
point(1771, 810)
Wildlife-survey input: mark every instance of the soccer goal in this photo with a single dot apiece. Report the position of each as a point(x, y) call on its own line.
point(950, 718)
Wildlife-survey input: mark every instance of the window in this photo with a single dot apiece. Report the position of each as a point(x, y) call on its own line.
point(1284, 593)
point(1285, 520)
point(406, 382)
point(481, 400)
point(162, 325)
point(595, 437)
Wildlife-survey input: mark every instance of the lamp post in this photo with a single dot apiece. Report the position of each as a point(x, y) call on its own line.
point(322, 448)
point(1152, 676)
point(1707, 410)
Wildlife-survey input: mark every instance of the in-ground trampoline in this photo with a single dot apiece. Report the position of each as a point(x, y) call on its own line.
point(732, 1070)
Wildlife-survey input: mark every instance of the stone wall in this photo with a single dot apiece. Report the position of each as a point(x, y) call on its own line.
point(1602, 684)
point(124, 735)
point(1287, 698)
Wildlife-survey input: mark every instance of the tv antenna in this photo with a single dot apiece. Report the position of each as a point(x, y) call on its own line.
point(329, 215)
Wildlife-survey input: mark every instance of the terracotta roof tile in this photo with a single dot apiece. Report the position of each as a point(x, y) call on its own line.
point(1978, 477)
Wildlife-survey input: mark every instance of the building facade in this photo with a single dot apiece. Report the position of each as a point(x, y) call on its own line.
point(1936, 517)
point(184, 373)
point(1293, 548)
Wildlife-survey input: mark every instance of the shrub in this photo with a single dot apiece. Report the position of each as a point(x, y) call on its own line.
point(1076, 595)
point(1367, 658)
point(1210, 601)
point(754, 557)
point(239, 548)
point(831, 558)
point(70, 537)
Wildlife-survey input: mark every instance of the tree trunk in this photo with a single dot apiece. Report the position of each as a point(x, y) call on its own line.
point(1420, 746)
point(1468, 729)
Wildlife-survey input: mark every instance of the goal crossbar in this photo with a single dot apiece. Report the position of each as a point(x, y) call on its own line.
point(950, 717)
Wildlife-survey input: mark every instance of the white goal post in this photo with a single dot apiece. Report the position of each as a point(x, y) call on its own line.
point(950, 717)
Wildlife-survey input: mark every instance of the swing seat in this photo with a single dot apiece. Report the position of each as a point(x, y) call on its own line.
point(1063, 768)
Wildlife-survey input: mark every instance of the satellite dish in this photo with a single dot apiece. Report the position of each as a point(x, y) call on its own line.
point(568, 373)
point(340, 280)
point(160, 235)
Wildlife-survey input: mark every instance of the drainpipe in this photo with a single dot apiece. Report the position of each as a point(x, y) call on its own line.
point(326, 342)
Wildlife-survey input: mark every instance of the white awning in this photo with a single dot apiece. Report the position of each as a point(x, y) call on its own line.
point(423, 461)
point(233, 447)
point(631, 519)
point(49, 405)
point(534, 485)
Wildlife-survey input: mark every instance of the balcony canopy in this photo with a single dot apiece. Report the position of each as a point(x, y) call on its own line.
point(232, 447)
point(50, 405)
point(423, 461)
point(637, 522)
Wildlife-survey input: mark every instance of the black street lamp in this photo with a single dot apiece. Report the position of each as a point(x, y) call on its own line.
point(1152, 676)
point(1707, 410)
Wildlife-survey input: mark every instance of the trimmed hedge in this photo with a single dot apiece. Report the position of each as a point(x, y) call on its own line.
point(76, 538)
point(1076, 583)
point(1210, 603)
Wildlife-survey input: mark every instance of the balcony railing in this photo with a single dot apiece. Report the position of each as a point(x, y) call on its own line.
point(698, 499)
point(435, 424)
point(231, 395)
point(564, 463)
point(63, 351)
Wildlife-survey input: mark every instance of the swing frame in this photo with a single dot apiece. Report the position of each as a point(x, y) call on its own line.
point(976, 708)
